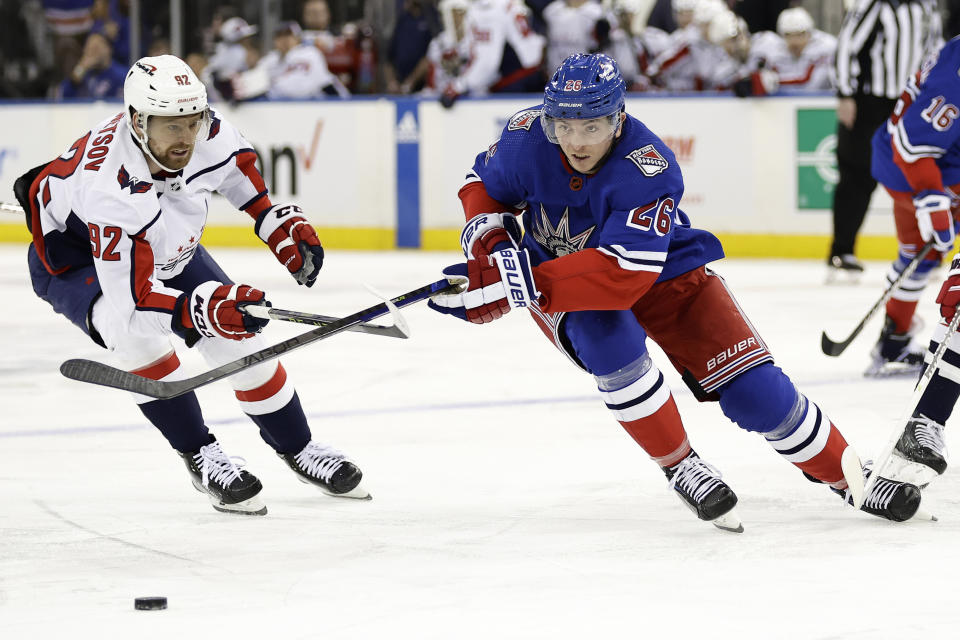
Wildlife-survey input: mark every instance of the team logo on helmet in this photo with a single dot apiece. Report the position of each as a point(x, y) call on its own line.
point(648, 160)
point(136, 185)
point(149, 69)
point(523, 120)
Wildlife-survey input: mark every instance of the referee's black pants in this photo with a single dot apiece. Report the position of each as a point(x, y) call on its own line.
point(855, 186)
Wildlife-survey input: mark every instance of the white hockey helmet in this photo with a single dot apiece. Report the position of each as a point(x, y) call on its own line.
point(162, 86)
point(684, 5)
point(723, 27)
point(706, 10)
point(795, 20)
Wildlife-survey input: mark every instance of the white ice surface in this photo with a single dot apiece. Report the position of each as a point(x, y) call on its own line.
point(507, 502)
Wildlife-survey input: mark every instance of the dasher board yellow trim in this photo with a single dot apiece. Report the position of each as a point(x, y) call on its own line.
point(233, 236)
point(736, 245)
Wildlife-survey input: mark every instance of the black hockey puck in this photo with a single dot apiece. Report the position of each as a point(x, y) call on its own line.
point(149, 604)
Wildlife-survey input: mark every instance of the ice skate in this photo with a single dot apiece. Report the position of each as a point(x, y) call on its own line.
point(328, 469)
point(890, 499)
point(699, 486)
point(230, 487)
point(844, 269)
point(920, 454)
point(896, 354)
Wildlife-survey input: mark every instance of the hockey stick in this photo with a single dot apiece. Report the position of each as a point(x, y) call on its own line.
point(397, 330)
point(107, 376)
point(11, 207)
point(834, 349)
point(918, 391)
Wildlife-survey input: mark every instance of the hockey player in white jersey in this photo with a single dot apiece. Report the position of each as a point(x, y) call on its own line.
point(505, 52)
point(116, 223)
point(448, 51)
point(571, 28)
point(686, 62)
point(800, 54)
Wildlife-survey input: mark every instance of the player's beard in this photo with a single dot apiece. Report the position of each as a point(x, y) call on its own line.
point(172, 161)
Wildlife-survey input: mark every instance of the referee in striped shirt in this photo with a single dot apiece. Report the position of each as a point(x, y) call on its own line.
point(881, 43)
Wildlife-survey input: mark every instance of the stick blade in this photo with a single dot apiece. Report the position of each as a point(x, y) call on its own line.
point(399, 322)
point(830, 347)
point(94, 372)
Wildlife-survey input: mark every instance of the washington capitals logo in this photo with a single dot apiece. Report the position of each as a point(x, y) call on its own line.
point(136, 186)
point(557, 240)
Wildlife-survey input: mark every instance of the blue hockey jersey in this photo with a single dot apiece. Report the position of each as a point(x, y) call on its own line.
point(916, 149)
point(590, 235)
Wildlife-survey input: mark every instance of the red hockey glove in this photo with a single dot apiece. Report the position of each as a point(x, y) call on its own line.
point(934, 218)
point(487, 233)
point(212, 310)
point(494, 285)
point(292, 240)
point(949, 294)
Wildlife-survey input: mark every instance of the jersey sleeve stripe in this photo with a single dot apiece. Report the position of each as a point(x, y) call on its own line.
point(221, 164)
point(141, 288)
point(640, 263)
point(911, 152)
point(148, 225)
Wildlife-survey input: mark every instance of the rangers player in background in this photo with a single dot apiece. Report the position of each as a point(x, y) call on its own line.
point(116, 223)
point(608, 258)
point(916, 156)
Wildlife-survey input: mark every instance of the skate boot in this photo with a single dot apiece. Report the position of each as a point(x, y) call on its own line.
point(844, 268)
point(230, 487)
point(920, 454)
point(699, 486)
point(897, 501)
point(896, 353)
point(328, 469)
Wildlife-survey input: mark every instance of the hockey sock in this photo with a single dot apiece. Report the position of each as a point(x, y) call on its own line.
point(285, 429)
point(642, 403)
point(809, 440)
point(179, 420)
point(901, 312)
point(938, 399)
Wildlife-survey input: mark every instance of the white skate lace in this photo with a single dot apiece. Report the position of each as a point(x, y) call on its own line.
point(883, 492)
point(218, 466)
point(929, 434)
point(320, 461)
point(696, 478)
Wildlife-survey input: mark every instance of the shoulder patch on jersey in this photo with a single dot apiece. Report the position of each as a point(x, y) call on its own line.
point(214, 126)
point(136, 185)
point(523, 120)
point(648, 160)
point(491, 151)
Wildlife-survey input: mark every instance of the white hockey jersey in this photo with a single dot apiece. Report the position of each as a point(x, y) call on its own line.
point(446, 57)
point(812, 71)
point(686, 63)
point(570, 30)
point(98, 203)
point(301, 73)
point(492, 26)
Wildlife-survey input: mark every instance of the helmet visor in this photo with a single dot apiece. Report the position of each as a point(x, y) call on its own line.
point(574, 131)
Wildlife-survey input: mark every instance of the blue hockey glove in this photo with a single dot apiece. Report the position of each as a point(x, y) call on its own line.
point(494, 286)
point(934, 219)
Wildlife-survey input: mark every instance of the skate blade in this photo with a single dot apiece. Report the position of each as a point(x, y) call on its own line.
point(252, 507)
point(853, 473)
point(729, 521)
point(843, 277)
point(904, 470)
point(357, 493)
point(892, 370)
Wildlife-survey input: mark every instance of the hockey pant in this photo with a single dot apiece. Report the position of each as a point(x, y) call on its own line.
point(708, 339)
point(263, 391)
point(943, 390)
point(903, 301)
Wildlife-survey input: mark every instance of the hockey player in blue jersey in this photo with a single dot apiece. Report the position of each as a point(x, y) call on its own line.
point(608, 258)
point(916, 156)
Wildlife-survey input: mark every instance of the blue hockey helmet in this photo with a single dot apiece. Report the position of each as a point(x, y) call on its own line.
point(584, 87)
